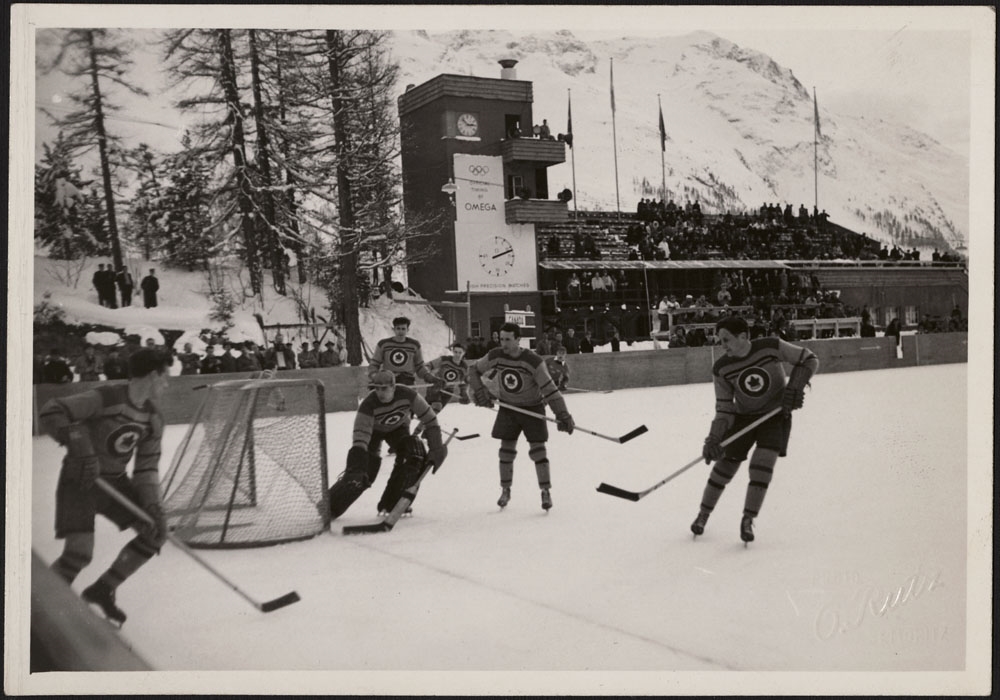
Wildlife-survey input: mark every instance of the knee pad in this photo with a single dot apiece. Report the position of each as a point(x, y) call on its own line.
point(537, 452)
point(412, 448)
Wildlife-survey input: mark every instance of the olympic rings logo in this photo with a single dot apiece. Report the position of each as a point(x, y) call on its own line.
point(479, 169)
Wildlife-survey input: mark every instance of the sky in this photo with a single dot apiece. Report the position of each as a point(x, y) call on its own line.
point(909, 63)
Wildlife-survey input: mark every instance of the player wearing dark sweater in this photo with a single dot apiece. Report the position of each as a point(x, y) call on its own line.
point(750, 381)
point(384, 416)
point(522, 381)
point(102, 429)
point(453, 370)
point(400, 355)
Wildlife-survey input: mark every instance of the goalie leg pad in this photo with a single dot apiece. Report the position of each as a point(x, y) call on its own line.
point(411, 455)
point(354, 481)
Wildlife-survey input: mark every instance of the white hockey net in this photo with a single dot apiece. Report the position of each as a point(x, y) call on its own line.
point(251, 470)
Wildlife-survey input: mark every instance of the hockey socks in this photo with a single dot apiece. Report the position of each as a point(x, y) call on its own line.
point(722, 474)
point(761, 470)
point(77, 553)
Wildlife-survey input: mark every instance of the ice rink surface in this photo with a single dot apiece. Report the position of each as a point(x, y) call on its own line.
point(859, 562)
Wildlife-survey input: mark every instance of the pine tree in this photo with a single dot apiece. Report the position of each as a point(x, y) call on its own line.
point(99, 59)
point(65, 209)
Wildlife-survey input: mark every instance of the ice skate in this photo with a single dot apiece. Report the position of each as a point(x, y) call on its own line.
point(504, 497)
point(698, 526)
point(546, 500)
point(103, 596)
point(746, 529)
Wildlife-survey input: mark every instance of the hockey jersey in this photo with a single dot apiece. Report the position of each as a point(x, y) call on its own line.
point(376, 417)
point(754, 384)
point(403, 358)
point(452, 372)
point(521, 381)
point(117, 429)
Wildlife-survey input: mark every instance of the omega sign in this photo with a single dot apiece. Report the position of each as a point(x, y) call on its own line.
point(480, 189)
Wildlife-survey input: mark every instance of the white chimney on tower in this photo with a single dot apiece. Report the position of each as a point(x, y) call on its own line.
point(507, 71)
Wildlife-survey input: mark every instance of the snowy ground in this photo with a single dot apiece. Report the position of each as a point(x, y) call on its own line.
point(870, 502)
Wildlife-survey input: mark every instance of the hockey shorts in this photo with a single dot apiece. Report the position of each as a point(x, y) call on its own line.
point(772, 434)
point(76, 508)
point(509, 424)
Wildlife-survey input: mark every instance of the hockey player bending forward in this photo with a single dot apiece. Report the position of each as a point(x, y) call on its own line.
point(101, 429)
point(523, 381)
point(452, 370)
point(750, 381)
point(384, 416)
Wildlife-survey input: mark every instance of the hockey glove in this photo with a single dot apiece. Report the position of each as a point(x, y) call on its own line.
point(156, 531)
point(564, 422)
point(483, 398)
point(792, 399)
point(713, 449)
point(436, 406)
point(82, 463)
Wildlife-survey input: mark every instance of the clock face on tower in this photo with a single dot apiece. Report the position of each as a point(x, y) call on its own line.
point(468, 124)
point(496, 255)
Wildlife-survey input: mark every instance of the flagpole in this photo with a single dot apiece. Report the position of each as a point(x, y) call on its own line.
point(815, 153)
point(572, 151)
point(614, 136)
point(663, 150)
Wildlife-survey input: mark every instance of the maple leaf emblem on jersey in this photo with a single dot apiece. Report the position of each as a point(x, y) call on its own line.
point(123, 440)
point(754, 381)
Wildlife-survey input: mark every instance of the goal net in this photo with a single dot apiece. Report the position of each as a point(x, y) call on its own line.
point(251, 470)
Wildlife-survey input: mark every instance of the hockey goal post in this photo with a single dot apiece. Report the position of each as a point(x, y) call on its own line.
point(252, 468)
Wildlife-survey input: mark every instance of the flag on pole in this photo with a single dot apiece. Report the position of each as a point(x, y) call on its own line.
point(569, 121)
point(612, 86)
point(663, 132)
point(816, 114)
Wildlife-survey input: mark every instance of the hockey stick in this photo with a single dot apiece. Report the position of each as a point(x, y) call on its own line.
point(266, 606)
point(588, 391)
point(623, 439)
point(390, 520)
point(636, 495)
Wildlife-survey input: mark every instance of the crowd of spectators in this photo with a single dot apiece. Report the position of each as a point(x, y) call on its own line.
point(670, 232)
point(219, 357)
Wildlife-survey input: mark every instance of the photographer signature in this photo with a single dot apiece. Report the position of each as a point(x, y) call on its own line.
point(872, 601)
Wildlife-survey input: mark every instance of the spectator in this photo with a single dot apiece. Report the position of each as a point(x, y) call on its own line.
point(494, 341)
point(571, 342)
point(663, 313)
point(125, 285)
point(227, 361)
point(89, 366)
point(586, 343)
point(678, 338)
point(190, 362)
point(616, 343)
point(55, 368)
point(609, 285)
point(150, 286)
point(98, 281)
point(867, 329)
point(114, 366)
point(544, 131)
point(558, 369)
point(894, 329)
point(279, 356)
point(553, 245)
point(247, 360)
point(210, 363)
point(597, 285)
point(573, 286)
point(307, 358)
point(542, 345)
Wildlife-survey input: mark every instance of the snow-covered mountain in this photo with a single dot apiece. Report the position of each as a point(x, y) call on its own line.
point(739, 130)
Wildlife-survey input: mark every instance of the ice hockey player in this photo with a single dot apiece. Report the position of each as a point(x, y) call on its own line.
point(523, 381)
point(384, 416)
point(558, 369)
point(402, 356)
point(101, 430)
point(750, 381)
point(453, 370)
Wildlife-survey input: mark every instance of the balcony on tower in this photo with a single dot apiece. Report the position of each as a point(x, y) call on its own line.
point(535, 151)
